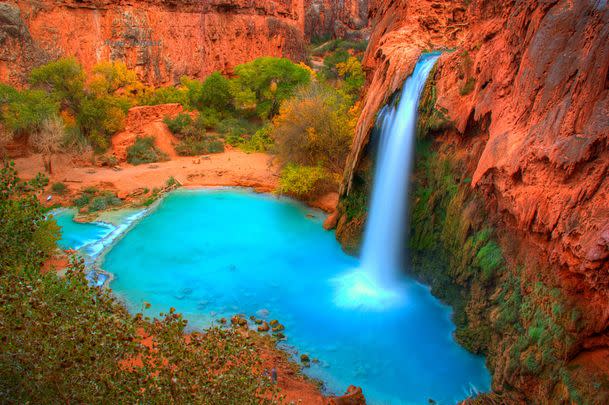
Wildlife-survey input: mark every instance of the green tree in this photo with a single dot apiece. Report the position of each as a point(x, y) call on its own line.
point(100, 117)
point(332, 60)
point(353, 75)
point(63, 79)
point(216, 92)
point(24, 111)
point(109, 77)
point(266, 82)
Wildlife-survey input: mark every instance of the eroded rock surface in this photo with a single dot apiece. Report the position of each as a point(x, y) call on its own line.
point(162, 40)
point(336, 19)
point(525, 95)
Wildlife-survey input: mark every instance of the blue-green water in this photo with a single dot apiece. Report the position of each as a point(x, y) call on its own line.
point(214, 253)
point(76, 235)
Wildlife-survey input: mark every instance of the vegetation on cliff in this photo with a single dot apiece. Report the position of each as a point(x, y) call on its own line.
point(508, 310)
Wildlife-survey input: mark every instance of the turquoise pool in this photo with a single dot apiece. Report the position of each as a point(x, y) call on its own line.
point(214, 253)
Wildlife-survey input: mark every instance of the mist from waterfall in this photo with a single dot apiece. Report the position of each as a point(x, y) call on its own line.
point(384, 237)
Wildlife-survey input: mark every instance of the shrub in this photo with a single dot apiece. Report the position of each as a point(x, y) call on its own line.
point(191, 146)
point(489, 259)
point(95, 200)
point(109, 160)
point(178, 124)
point(215, 147)
point(164, 95)
point(85, 197)
point(261, 141)
point(59, 188)
point(192, 134)
point(236, 131)
point(144, 151)
point(26, 234)
point(304, 181)
point(171, 182)
point(208, 118)
point(315, 127)
point(104, 201)
point(47, 140)
point(468, 86)
point(331, 61)
point(63, 79)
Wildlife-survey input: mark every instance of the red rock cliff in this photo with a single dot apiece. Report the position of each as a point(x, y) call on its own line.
point(530, 80)
point(162, 40)
point(540, 73)
point(336, 18)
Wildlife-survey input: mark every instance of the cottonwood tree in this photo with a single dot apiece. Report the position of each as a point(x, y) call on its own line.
point(48, 140)
point(315, 128)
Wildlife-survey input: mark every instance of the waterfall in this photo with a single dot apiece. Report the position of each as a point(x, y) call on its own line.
point(384, 237)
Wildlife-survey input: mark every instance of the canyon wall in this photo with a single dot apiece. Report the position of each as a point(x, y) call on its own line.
point(515, 128)
point(161, 40)
point(336, 19)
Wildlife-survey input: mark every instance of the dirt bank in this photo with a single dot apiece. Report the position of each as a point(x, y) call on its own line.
point(231, 168)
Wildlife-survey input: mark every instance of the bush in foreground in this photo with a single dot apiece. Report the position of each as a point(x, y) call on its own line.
point(64, 341)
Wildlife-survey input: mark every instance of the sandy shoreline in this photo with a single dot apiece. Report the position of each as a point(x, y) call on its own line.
point(232, 168)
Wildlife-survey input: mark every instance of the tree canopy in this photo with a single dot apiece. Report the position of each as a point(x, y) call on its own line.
point(266, 82)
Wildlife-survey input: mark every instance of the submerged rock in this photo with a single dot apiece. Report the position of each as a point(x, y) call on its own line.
point(331, 221)
point(238, 321)
point(353, 396)
point(278, 328)
point(263, 313)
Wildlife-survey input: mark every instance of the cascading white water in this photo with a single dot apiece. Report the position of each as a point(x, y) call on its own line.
point(384, 236)
point(375, 285)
